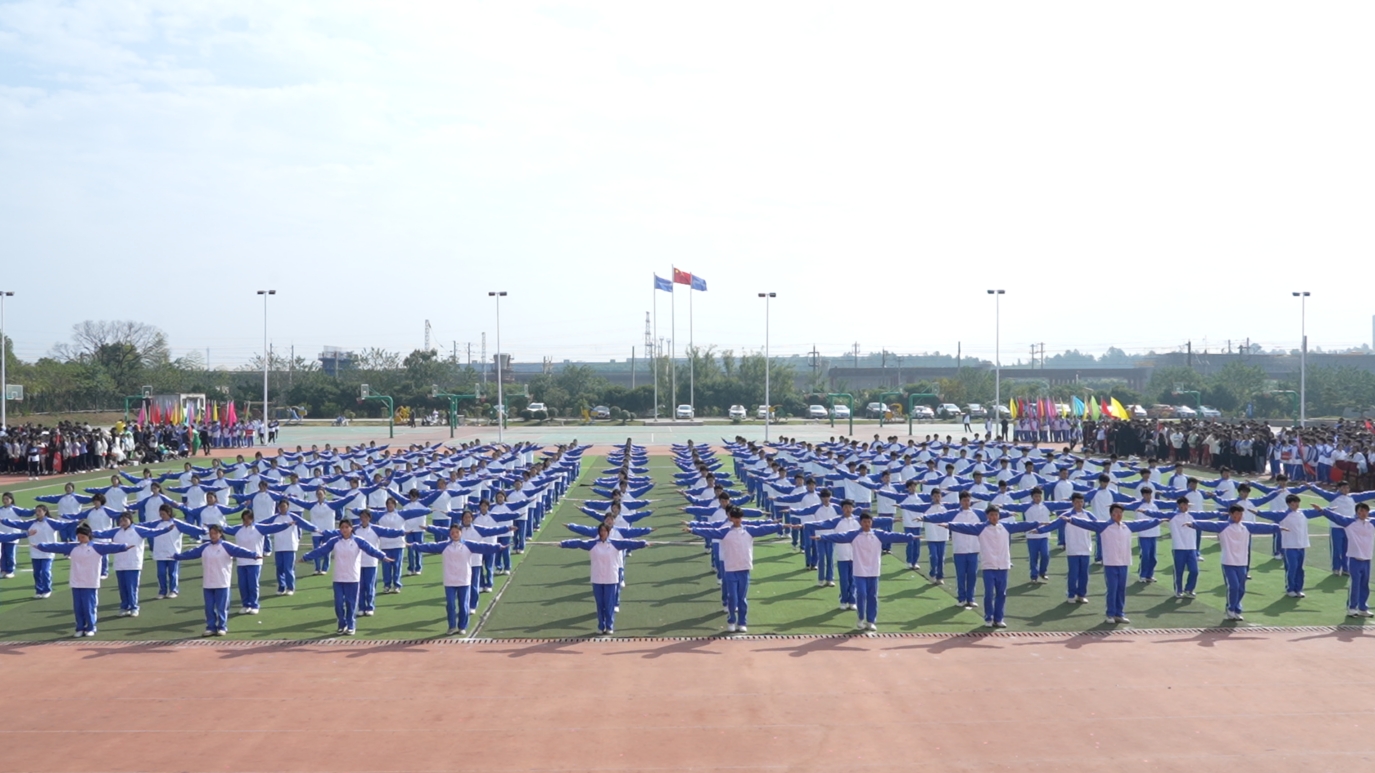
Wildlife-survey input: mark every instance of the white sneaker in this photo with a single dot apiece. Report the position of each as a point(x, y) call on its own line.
point(1366, 613)
point(1110, 620)
point(873, 626)
point(730, 627)
point(451, 632)
point(368, 613)
point(291, 593)
point(999, 624)
point(741, 629)
point(133, 613)
point(1123, 620)
point(160, 596)
point(861, 626)
point(1190, 595)
point(820, 583)
point(844, 606)
point(1291, 594)
point(221, 632)
point(1353, 613)
point(1072, 600)
point(171, 595)
point(616, 608)
point(1300, 595)
point(208, 632)
point(253, 611)
point(830, 583)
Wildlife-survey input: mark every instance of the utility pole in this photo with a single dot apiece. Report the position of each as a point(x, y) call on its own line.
point(470, 354)
point(1043, 356)
point(1190, 357)
point(1033, 355)
point(959, 348)
point(856, 358)
point(632, 367)
point(815, 358)
point(427, 336)
point(484, 362)
point(291, 368)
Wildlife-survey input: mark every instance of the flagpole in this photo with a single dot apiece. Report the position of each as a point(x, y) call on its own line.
point(692, 357)
point(654, 360)
point(672, 352)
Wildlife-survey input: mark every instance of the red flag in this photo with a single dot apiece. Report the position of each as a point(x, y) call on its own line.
point(681, 277)
point(1368, 426)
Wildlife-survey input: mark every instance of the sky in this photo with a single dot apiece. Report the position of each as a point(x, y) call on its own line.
point(1133, 175)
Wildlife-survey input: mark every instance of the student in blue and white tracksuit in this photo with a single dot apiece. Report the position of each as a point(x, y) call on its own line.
point(324, 515)
point(1234, 536)
point(1343, 503)
point(84, 574)
point(129, 564)
point(367, 571)
point(1037, 541)
point(844, 556)
point(1147, 540)
point(966, 549)
point(1294, 541)
point(285, 543)
point(9, 551)
point(457, 556)
point(736, 545)
point(605, 554)
point(217, 558)
point(1078, 551)
point(935, 535)
point(1360, 543)
point(347, 551)
point(41, 528)
point(251, 536)
point(1116, 539)
point(1184, 548)
point(866, 556)
point(911, 523)
point(166, 545)
point(995, 557)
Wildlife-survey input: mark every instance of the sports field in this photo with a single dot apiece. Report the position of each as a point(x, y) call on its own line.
point(671, 592)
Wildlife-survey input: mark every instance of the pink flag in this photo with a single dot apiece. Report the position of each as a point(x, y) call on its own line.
point(143, 414)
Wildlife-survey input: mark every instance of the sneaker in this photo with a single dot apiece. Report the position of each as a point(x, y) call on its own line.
point(612, 631)
point(171, 595)
point(463, 632)
point(999, 624)
point(1353, 613)
point(160, 596)
point(348, 632)
point(861, 626)
point(243, 610)
point(339, 632)
point(451, 632)
point(873, 626)
point(1110, 620)
point(253, 611)
point(368, 613)
point(616, 608)
point(208, 632)
point(1072, 600)
point(939, 581)
point(730, 627)
point(291, 593)
point(844, 607)
point(1237, 617)
point(1366, 613)
point(1178, 596)
point(133, 613)
point(1291, 594)
point(1123, 620)
point(741, 629)
point(1190, 595)
point(91, 632)
point(725, 609)
point(830, 583)
point(221, 632)
point(1083, 599)
point(78, 634)
point(988, 624)
point(1300, 595)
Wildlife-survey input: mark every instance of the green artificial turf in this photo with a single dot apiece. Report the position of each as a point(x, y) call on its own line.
point(671, 591)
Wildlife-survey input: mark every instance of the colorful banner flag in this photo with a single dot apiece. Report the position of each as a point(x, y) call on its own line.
point(1119, 411)
point(662, 284)
point(1012, 408)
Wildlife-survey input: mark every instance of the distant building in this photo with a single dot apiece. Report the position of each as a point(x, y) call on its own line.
point(334, 360)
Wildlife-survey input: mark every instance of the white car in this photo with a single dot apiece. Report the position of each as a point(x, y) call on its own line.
point(923, 412)
point(537, 408)
point(764, 411)
point(736, 412)
point(840, 411)
point(1137, 412)
point(1208, 412)
point(684, 412)
point(816, 412)
point(1185, 412)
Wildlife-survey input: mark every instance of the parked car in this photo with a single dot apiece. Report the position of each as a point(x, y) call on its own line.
point(1004, 412)
point(949, 411)
point(976, 411)
point(920, 412)
point(1185, 412)
point(536, 411)
point(1137, 412)
point(875, 410)
point(766, 411)
point(840, 411)
point(601, 412)
point(1209, 412)
point(737, 412)
point(817, 412)
point(1159, 411)
point(684, 412)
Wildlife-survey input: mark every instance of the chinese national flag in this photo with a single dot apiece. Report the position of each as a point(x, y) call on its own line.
point(681, 277)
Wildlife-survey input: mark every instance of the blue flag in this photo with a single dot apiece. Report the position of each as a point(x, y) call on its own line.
point(662, 284)
point(698, 283)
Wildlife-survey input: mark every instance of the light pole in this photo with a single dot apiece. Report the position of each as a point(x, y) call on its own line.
point(768, 404)
point(501, 404)
point(1303, 356)
point(266, 357)
point(997, 349)
point(4, 379)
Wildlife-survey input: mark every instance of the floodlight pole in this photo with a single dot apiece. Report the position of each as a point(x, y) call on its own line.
point(768, 403)
point(266, 356)
point(997, 349)
point(4, 377)
point(501, 401)
point(1303, 356)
